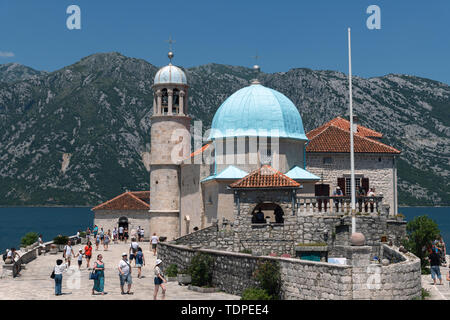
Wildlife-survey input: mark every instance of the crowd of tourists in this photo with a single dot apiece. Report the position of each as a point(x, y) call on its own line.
point(97, 270)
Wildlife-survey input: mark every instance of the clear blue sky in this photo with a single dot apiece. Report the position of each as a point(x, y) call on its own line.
point(414, 36)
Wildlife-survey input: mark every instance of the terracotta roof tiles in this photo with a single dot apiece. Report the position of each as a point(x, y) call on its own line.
point(138, 200)
point(265, 177)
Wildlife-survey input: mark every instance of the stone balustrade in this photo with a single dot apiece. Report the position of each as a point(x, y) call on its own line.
point(336, 204)
point(28, 254)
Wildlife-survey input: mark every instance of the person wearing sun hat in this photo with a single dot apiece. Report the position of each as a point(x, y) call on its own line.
point(125, 274)
point(159, 280)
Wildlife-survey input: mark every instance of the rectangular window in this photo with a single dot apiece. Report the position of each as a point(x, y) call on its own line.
point(348, 183)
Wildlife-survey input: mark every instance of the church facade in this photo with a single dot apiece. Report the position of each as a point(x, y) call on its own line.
point(256, 132)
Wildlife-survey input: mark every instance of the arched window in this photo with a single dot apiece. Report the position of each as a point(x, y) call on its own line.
point(164, 101)
point(176, 100)
point(267, 212)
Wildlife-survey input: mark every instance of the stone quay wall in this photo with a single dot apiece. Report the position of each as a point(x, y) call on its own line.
point(307, 280)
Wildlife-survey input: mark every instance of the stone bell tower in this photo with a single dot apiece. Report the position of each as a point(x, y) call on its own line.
point(170, 143)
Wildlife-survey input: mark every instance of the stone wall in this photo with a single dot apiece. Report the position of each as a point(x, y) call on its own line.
point(282, 238)
point(396, 231)
point(309, 280)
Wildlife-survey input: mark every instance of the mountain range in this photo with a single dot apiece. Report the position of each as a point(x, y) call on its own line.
point(81, 135)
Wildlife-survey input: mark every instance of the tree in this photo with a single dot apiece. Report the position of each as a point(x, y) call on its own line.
point(422, 231)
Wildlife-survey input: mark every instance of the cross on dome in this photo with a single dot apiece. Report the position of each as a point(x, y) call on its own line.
point(170, 54)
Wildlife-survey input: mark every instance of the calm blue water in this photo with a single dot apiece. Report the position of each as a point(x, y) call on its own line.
point(16, 222)
point(440, 215)
point(50, 222)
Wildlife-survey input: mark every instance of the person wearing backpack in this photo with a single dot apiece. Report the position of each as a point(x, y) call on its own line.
point(140, 261)
point(133, 249)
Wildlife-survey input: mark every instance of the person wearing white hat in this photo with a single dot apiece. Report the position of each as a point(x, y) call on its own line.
point(159, 280)
point(125, 274)
point(337, 202)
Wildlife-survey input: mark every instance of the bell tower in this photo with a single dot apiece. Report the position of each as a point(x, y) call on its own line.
point(170, 144)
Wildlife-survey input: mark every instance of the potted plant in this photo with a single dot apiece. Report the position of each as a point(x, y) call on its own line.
point(400, 217)
point(384, 238)
point(172, 272)
point(60, 241)
point(183, 277)
point(28, 240)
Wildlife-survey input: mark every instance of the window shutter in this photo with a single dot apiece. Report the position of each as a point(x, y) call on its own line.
point(341, 184)
point(365, 184)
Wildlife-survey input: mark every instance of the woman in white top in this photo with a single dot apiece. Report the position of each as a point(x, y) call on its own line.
point(58, 270)
point(154, 241)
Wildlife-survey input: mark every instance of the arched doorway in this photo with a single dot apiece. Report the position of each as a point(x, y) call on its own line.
point(272, 213)
point(123, 222)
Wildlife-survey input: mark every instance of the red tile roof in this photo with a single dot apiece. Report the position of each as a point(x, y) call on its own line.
point(135, 200)
point(345, 125)
point(336, 139)
point(265, 177)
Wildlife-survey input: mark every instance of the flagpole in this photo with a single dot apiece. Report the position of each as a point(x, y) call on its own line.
point(352, 156)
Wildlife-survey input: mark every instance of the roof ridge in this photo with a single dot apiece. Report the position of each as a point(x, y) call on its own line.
point(118, 197)
point(360, 137)
point(143, 202)
point(109, 201)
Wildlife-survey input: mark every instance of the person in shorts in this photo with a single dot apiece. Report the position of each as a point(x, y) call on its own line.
point(68, 252)
point(133, 249)
point(154, 242)
point(159, 280)
point(88, 253)
point(125, 274)
point(80, 258)
point(435, 262)
point(140, 261)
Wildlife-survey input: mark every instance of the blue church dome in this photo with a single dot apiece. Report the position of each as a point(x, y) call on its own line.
point(170, 74)
point(257, 111)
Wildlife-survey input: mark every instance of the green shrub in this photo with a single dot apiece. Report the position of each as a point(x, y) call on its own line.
point(255, 294)
point(60, 239)
point(201, 270)
point(425, 294)
point(172, 270)
point(268, 276)
point(29, 239)
point(421, 232)
point(82, 234)
point(248, 251)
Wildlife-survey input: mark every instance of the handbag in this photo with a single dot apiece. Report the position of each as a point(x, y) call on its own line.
point(52, 276)
point(93, 275)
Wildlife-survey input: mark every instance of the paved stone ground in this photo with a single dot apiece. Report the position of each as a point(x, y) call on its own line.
point(35, 283)
point(438, 292)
